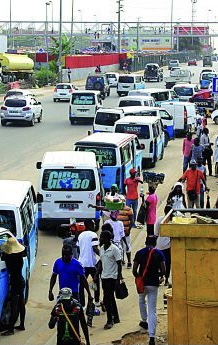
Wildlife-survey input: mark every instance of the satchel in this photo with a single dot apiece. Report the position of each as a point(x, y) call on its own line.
point(142, 214)
point(192, 195)
point(139, 282)
point(121, 290)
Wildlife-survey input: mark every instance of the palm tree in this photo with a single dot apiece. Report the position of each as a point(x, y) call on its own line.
point(67, 44)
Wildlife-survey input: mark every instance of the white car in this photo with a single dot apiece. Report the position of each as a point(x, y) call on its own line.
point(112, 78)
point(18, 92)
point(63, 91)
point(214, 116)
point(25, 109)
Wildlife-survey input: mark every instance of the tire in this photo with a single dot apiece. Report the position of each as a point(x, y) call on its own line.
point(97, 86)
point(103, 96)
point(162, 153)
point(216, 120)
point(3, 123)
point(40, 117)
point(26, 291)
point(158, 79)
point(54, 99)
point(166, 139)
point(32, 122)
point(72, 121)
point(108, 93)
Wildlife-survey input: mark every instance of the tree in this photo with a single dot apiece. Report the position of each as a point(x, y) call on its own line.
point(66, 45)
point(190, 43)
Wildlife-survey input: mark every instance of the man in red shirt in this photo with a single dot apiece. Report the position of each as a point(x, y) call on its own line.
point(132, 195)
point(193, 178)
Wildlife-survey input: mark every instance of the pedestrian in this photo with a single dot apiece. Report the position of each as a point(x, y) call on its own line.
point(118, 231)
point(163, 243)
point(155, 271)
point(69, 315)
point(199, 127)
point(186, 150)
point(88, 248)
point(196, 150)
point(13, 253)
point(202, 168)
point(208, 152)
point(70, 273)
point(193, 178)
point(69, 74)
point(110, 268)
point(98, 35)
point(151, 202)
point(132, 196)
point(176, 197)
point(70, 238)
point(125, 215)
point(215, 157)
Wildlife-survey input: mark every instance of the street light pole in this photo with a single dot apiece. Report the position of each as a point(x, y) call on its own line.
point(81, 20)
point(171, 26)
point(118, 32)
point(46, 30)
point(10, 29)
point(71, 31)
point(60, 46)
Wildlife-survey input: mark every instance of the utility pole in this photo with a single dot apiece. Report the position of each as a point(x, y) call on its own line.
point(137, 38)
point(60, 46)
point(193, 15)
point(71, 28)
point(120, 6)
point(171, 27)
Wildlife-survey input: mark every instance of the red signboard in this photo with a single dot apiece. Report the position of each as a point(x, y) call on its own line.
point(84, 61)
point(187, 30)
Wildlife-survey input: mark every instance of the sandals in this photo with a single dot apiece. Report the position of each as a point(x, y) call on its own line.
point(108, 325)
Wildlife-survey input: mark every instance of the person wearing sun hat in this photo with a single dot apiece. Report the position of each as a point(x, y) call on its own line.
point(13, 253)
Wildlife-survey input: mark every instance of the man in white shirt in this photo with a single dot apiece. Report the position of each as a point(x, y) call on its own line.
point(110, 269)
point(88, 248)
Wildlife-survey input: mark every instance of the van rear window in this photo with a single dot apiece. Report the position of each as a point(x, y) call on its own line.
point(18, 103)
point(107, 119)
point(183, 91)
point(126, 79)
point(142, 131)
point(83, 99)
point(129, 103)
point(7, 221)
point(68, 180)
point(104, 155)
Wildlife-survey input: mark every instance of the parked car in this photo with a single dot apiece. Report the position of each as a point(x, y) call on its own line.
point(192, 62)
point(112, 78)
point(25, 109)
point(63, 91)
point(153, 72)
point(98, 82)
point(18, 92)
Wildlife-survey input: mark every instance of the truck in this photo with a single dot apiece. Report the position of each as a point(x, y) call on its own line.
point(14, 67)
point(178, 76)
point(207, 61)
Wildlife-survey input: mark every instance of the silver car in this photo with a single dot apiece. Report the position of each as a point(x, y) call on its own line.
point(25, 109)
point(63, 91)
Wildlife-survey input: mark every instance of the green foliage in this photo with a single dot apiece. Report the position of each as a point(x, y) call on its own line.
point(66, 45)
point(3, 88)
point(53, 66)
point(45, 76)
point(190, 43)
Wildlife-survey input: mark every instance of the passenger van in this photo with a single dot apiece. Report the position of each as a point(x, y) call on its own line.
point(150, 134)
point(159, 95)
point(105, 118)
point(112, 78)
point(18, 218)
point(184, 114)
point(83, 105)
point(132, 101)
point(127, 82)
point(116, 154)
point(69, 181)
point(185, 91)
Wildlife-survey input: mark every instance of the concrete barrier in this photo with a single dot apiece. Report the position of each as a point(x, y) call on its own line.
point(81, 73)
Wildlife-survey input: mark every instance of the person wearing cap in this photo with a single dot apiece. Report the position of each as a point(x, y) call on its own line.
point(132, 195)
point(193, 178)
point(68, 314)
point(176, 197)
point(13, 253)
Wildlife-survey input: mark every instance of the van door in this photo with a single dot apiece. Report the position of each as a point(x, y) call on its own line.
point(168, 123)
point(139, 83)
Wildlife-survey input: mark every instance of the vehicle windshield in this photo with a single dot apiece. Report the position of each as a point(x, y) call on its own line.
point(83, 99)
point(14, 93)
point(68, 180)
point(126, 79)
point(142, 131)
point(63, 86)
point(7, 220)
point(111, 76)
point(183, 91)
point(18, 103)
point(129, 103)
point(107, 119)
point(160, 96)
point(208, 76)
point(91, 80)
point(104, 155)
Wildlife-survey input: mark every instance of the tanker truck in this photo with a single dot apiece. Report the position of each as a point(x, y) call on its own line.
point(15, 66)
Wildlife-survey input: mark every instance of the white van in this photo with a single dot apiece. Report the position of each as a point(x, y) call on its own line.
point(159, 95)
point(184, 114)
point(127, 82)
point(105, 118)
point(131, 101)
point(83, 105)
point(112, 78)
point(149, 132)
point(69, 181)
point(185, 91)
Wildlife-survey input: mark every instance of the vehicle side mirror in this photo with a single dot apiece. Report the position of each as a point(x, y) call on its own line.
point(142, 146)
point(165, 126)
point(39, 103)
point(38, 165)
point(101, 165)
point(39, 198)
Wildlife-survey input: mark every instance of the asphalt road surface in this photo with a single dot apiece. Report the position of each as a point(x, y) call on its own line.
point(20, 148)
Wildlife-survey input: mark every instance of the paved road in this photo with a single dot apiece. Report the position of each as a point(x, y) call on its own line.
point(21, 147)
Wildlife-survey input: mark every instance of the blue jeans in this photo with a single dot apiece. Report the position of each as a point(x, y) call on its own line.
point(148, 308)
point(134, 205)
point(186, 161)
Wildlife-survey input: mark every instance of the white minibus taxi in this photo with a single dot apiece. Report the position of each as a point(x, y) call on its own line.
point(69, 181)
point(150, 134)
point(127, 82)
point(83, 105)
point(185, 91)
point(132, 101)
point(159, 95)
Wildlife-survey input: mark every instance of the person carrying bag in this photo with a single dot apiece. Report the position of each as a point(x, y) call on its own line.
point(139, 280)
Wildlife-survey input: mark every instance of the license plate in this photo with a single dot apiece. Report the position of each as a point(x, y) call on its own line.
point(63, 94)
point(68, 206)
point(125, 86)
point(14, 112)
